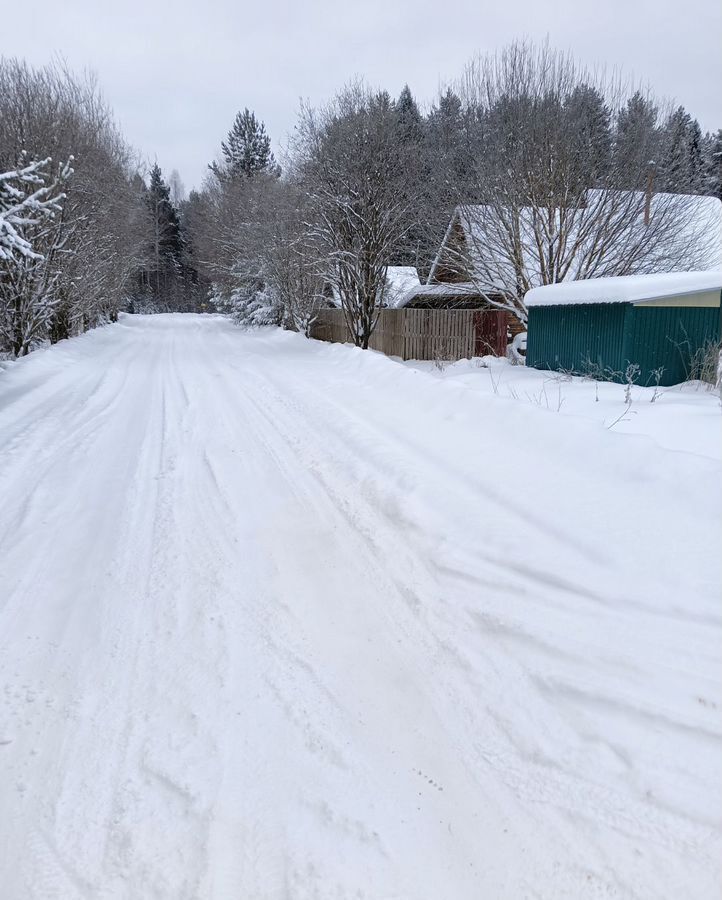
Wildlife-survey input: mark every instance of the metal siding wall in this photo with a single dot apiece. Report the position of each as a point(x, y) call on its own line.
point(612, 335)
point(569, 338)
point(668, 336)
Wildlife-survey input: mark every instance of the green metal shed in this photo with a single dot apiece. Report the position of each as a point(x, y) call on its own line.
point(601, 326)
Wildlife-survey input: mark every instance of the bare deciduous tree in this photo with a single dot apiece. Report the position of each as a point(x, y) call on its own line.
point(561, 194)
point(91, 247)
point(347, 158)
point(292, 264)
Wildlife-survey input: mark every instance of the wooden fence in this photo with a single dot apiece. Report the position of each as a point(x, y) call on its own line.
point(447, 334)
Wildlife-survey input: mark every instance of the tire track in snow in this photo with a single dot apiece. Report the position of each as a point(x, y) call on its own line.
point(529, 779)
point(76, 702)
point(256, 660)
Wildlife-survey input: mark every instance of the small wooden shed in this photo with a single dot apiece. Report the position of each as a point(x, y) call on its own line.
point(661, 323)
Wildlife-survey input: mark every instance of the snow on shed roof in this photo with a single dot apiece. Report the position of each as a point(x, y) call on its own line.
point(625, 289)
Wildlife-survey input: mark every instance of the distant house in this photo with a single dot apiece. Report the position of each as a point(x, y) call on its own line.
point(454, 281)
point(400, 281)
point(667, 326)
point(488, 254)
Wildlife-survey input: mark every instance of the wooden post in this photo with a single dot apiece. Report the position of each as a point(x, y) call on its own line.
point(648, 198)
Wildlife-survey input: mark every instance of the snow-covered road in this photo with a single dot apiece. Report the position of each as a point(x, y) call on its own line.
point(281, 619)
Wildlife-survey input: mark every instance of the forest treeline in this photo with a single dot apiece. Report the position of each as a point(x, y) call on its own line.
point(368, 180)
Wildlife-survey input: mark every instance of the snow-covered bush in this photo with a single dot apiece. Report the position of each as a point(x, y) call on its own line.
point(517, 350)
point(260, 308)
point(32, 236)
point(249, 308)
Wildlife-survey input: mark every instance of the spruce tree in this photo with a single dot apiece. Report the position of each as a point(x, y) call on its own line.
point(682, 158)
point(712, 158)
point(445, 122)
point(409, 138)
point(408, 117)
point(246, 151)
point(636, 142)
point(696, 158)
point(588, 123)
point(450, 133)
point(166, 240)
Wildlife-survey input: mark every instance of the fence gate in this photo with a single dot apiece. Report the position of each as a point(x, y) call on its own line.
point(490, 327)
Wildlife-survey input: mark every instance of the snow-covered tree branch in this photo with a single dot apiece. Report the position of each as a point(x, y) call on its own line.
point(28, 198)
point(68, 245)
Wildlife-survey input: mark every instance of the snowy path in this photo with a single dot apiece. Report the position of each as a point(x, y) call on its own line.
point(287, 620)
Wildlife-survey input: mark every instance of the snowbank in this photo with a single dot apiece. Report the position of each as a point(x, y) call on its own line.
point(685, 417)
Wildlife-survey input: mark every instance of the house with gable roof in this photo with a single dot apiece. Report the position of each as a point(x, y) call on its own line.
point(491, 257)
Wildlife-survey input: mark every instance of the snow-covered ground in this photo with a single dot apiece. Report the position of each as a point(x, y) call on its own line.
point(283, 619)
point(685, 417)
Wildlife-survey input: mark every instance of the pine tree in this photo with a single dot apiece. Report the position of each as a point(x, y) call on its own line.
point(588, 123)
point(408, 117)
point(696, 157)
point(636, 142)
point(452, 136)
point(445, 122)
point(712, 161)
point(408, 135)
point(682, 170)
point(246, 151)
point(166, 241)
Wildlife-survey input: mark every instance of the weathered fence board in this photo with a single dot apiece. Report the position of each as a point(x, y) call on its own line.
point(447, 334)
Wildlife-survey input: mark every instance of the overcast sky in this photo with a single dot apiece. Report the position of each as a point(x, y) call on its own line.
point(176, 74)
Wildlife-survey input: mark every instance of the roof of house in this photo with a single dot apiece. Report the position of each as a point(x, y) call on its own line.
point(439, 291)
point(625, 289)
point(399, 281)
point(694, 220)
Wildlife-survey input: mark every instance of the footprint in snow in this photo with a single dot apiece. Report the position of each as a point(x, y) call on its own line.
point(427, 779)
